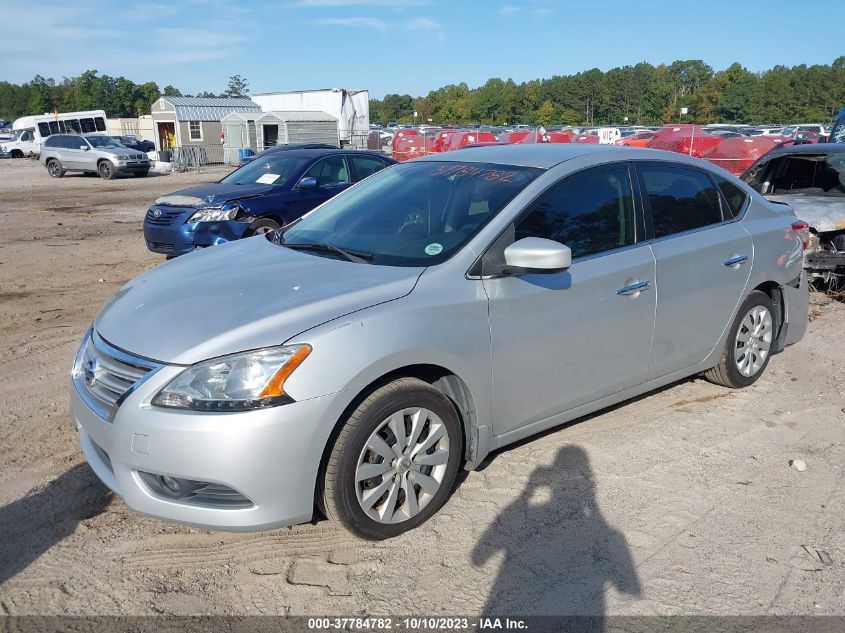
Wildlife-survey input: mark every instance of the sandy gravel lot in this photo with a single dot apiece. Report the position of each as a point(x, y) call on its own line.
point(681, 502)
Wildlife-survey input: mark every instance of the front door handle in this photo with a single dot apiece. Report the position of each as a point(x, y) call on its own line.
point(736, 261)
point(634, 289)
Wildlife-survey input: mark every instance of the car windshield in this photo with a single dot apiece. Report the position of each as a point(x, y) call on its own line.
point(101, 140)
point(271, 169)
point(413, 214)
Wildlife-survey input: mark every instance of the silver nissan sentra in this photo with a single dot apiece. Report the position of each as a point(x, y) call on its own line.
point(441, 309)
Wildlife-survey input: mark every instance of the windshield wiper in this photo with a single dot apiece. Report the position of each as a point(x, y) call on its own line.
point(358, 257)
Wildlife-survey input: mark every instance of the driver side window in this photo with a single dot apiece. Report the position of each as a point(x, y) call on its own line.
point(590, 213)
point(330, 171)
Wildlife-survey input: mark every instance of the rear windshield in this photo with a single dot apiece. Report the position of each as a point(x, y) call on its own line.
point(813, 174)
point(415, 213)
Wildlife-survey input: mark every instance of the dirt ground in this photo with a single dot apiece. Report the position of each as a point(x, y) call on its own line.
point(682, 502)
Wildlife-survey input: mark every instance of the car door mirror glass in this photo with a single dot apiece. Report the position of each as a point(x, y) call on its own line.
point(309, 182)
point(537, 255)
point(83, 147)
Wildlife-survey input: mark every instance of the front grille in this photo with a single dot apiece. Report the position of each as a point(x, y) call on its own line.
point(165, 219)
point(104, 375)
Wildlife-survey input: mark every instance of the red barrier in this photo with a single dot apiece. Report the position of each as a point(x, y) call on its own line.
point(739, 153)
point(684, 138)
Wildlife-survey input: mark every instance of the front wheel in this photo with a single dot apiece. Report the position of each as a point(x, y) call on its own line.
point(749, 345)
point(55, 169)
point(106, 170)
point(262, 226)
point(394, 461)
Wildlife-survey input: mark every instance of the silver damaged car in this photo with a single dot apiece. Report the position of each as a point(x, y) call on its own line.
point(441, 309)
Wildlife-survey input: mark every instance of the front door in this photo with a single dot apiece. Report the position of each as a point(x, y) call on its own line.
point(565, 339)
point(703, 264)
point(166, 134)
point(332, 175)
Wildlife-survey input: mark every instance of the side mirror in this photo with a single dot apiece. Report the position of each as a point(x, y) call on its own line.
point(537, 255)
point(84, 147)
point(309, 182)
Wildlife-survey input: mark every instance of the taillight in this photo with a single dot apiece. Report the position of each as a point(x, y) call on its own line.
point(799, 226)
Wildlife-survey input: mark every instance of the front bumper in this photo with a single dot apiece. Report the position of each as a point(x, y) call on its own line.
point(134, 167)
point(171, 234)
point(270, 456)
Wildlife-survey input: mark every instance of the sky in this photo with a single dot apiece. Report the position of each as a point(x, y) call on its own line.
point(401, 46)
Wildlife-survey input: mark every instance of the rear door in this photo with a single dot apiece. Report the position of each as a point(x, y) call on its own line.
point(703, 260)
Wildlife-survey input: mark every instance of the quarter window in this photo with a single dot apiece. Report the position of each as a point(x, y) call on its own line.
point(680, 199)
point(195, 130)
point(100, 124)
point(734, 195)
point(590, 213)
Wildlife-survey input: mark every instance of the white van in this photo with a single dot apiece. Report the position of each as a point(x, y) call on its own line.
point(30, 131)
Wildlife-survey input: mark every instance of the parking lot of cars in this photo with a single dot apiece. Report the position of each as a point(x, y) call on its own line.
point(688, 494)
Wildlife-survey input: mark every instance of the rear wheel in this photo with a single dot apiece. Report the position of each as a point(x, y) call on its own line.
point(394, 461)
point(55, 169)
point(106, 170)
point(262, 226)
point(749, 344)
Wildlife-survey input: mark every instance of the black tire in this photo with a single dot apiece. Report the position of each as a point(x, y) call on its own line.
point(55, 169)
point(16, 153)
point(262, 225)
point(141, 174)
point(337, 489)
point(726, 373)
point(106, 170)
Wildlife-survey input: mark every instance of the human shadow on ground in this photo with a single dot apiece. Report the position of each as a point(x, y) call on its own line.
point(560, 554)
point(33, 524)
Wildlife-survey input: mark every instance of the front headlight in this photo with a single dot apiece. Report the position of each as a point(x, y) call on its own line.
point(215, 214)
point(239, 382)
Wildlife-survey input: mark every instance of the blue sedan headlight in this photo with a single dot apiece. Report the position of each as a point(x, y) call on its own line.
point(215, 214)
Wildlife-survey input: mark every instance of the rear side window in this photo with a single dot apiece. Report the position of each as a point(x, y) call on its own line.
point(734, 195)
point(367, 165)
point(680, 199)
point(590, 213)
point(87, 126)
point(100, 124)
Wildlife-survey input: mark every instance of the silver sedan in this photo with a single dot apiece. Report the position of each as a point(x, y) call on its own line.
point(439, 310)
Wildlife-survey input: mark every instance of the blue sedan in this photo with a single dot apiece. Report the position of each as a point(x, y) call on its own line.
point(264, 195)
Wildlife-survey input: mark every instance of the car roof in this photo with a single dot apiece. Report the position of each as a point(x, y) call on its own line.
point(317, 153)
point(807, 148)
point(547, 155)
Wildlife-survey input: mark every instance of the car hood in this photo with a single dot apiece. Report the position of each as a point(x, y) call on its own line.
point(822, 213)
point(239, 296)
point(212, 194)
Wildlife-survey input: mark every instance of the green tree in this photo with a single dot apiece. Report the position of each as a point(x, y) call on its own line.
point(238, 87)
point(546, 113)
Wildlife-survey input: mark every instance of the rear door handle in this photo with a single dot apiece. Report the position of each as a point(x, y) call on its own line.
point(634, 288)
point(736, 261)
